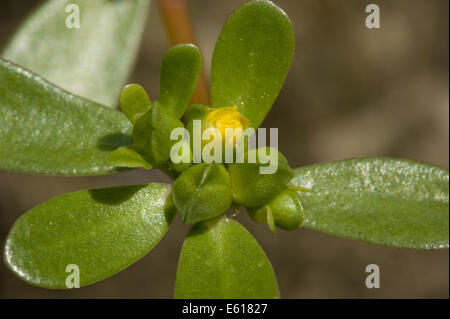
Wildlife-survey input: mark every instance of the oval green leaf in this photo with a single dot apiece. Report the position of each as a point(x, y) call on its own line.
point(180, 70)
point(45, 130)
point(220, 259)
point(391, 202)
point(93, 60)
point(101, 231)
point(251, 59)
point(134, 102)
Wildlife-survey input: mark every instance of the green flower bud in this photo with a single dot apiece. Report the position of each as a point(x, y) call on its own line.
point(251, 185)
point(286, 210)
point(202, 192)
point(151, 134)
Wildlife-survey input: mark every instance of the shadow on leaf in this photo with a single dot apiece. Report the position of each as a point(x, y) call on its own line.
point(115, 195)
point(113, 141)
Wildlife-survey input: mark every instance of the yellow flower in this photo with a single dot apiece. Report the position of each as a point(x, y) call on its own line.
point(228, 117)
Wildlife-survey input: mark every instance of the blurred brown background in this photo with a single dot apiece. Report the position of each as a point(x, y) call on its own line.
point(351, 92)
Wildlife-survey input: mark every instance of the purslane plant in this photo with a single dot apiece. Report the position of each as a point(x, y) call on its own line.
point(46, 130)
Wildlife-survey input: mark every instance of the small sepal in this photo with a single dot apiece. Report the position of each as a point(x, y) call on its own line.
point(284, 211)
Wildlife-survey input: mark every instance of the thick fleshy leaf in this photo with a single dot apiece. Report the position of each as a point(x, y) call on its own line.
point(391, 202)
point(101, 231)
point(180, 70)
point(45, 130)
point(251, 59)
point(92, 61)
point(221, 259)
point(134, 102)
point(126, 157)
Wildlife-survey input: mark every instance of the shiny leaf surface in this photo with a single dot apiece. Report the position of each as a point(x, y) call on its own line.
point(102, 231)
point(46, 130)
point(251, 59)
point(390, 202)
point(221, 259)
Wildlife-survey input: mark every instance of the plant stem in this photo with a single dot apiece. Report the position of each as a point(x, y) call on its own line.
point(179, 27)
